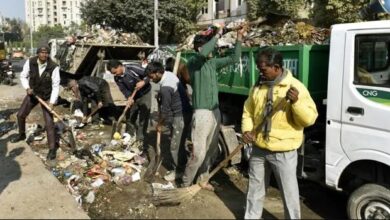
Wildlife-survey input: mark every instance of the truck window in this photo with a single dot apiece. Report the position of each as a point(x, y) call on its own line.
point(372, 64)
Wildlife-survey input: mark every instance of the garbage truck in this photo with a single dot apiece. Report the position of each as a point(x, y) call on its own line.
point(348, 148)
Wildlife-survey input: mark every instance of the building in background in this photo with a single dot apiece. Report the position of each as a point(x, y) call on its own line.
point(52, 12)
point(222, 11)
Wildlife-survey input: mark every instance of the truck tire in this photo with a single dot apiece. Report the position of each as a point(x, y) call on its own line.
point(370, 201)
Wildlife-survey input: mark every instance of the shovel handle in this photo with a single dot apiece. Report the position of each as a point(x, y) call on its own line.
point(279, 107)
point(177, 62)
point(158, 144)
point(222, 163)
point(48, 108)
point(126, 108)
point(91, 114)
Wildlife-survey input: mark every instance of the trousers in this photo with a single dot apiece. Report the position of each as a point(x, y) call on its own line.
point(283, 164)
point(28, 104)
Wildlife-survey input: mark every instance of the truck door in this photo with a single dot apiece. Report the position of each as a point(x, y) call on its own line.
point(365, 131)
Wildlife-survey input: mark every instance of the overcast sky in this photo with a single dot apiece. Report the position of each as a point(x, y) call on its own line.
point(12, 8)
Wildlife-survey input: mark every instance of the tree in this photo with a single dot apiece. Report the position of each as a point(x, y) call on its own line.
point(258, 8)
point(75, 28)
point(137, 16)
point(328, 12)
point(194, 8)
point(12, 29)
point(45, 33)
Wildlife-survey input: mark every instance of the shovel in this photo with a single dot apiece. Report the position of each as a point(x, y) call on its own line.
point(115, 124)
point(68, 129)
point(155, 162)
point(85, 120)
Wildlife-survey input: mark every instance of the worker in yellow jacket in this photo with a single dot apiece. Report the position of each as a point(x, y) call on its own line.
point(277, 110)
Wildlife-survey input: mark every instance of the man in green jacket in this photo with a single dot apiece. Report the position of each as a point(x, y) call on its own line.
point(206, 118)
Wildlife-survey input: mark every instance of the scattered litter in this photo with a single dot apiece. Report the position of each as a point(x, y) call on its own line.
point(90, 197)
point(121, 156)
point(38, 138)
point(67, 174)
point(124, 180)
point(136, 177)
point(139, 160)
point(119, 171)
point(117, 136)
point(55, 172)
point(98, 182)
point(125, 138)
point(73, 188)
point(160, 186)
point(97, 148)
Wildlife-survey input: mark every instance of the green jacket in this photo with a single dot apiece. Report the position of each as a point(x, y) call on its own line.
point(203, 72)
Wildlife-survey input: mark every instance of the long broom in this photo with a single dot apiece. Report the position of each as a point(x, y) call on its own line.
point(178, 195)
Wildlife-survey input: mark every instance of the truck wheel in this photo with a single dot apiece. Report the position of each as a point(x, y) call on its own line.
point(370, 201)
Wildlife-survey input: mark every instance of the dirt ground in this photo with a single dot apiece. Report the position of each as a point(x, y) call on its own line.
point(228, 201)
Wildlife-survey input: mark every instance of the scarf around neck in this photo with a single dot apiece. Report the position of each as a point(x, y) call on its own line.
point(266, 127)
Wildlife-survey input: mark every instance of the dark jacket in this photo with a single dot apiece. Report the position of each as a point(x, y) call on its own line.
point(127, 82)
point(42, 85)
point(93, 88)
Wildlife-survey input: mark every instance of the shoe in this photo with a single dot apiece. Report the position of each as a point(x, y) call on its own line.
point(19, 137)
point(172, 175)
point(52, 154)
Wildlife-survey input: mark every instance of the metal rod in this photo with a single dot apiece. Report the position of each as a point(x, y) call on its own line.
point(156, 23)
point(31, 28)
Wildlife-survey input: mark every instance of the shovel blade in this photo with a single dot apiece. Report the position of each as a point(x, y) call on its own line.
point(114, 128)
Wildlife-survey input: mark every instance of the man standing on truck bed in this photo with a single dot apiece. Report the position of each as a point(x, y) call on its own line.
point(130, 78)
point(94, 90)
point(40, 77)
point(206, 119)
point(278, 136)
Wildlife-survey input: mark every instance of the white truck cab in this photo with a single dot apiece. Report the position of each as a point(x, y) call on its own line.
point(358, 117)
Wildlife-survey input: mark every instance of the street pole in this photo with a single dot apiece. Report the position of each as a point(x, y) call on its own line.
point(31, 29)
point(156, 23)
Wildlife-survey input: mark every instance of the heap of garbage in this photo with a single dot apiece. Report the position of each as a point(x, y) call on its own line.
point(107, 36)
point(96, 160)
point(263, 34)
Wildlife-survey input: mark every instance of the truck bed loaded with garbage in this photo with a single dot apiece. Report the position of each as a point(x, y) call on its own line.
point(87, 55)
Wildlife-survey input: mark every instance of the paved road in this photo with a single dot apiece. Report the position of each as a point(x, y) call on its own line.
point(27, 188)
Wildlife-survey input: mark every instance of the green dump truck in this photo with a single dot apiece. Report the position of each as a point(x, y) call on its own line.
point(348, 148)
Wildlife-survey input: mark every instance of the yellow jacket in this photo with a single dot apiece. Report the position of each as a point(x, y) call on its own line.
point(288, 124)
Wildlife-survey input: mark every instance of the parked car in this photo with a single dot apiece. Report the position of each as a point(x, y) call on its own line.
point(17, 55)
